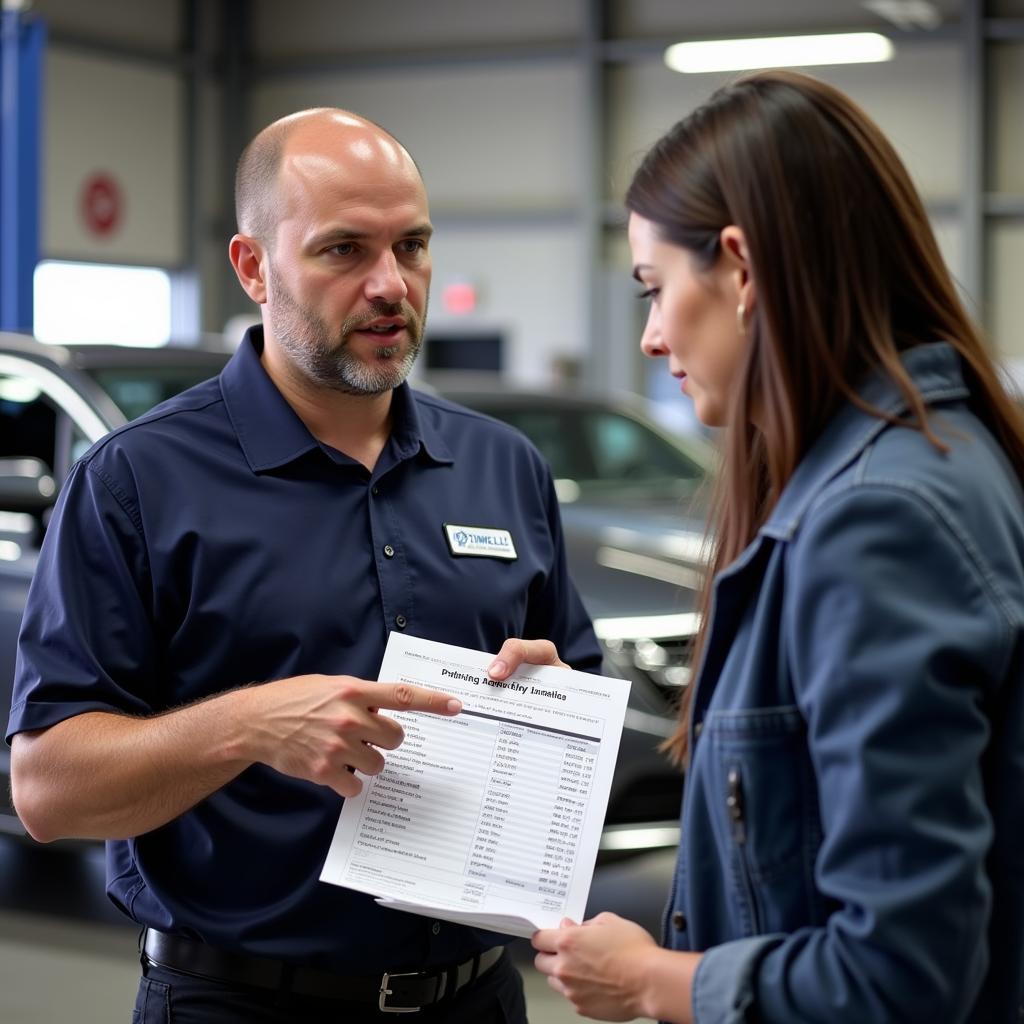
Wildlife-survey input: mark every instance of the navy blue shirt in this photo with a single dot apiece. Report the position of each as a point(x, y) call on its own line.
point(215, 542)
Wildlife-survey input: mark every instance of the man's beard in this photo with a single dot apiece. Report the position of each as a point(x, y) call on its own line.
point(325, 359)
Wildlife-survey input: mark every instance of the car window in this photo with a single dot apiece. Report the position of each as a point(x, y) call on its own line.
point(43, 417)
point(28, 420)
point(603, 450)
point(623, 449)
point(556, 437)
point(135, 391)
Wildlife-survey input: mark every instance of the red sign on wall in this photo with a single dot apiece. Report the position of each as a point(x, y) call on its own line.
point(101, 204)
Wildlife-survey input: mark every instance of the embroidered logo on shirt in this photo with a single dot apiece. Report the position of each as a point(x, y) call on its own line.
point(480, 541)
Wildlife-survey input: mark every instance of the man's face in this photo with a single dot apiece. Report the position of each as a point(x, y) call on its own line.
point(349, 269)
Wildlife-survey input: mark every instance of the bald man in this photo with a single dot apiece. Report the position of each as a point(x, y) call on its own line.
point(216, 589)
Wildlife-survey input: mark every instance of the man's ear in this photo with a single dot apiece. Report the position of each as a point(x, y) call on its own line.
point(247, 257)
point(733, 246)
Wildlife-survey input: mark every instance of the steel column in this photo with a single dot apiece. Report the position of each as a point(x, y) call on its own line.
point(22, 42)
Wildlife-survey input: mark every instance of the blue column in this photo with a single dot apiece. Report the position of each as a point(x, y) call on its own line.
point(22, 43)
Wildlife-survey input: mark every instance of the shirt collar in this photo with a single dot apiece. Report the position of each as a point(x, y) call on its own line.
point(416, 428)
point(936, 373)
point(270, 432)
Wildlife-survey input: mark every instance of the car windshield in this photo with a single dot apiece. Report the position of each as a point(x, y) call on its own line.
point(604, 451)
point(135, 390)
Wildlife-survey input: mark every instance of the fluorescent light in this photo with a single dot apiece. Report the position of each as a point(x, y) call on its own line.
point(778, 52)
point(640, 837)
point(650, 627)
point(9, 551)
point(101, 303)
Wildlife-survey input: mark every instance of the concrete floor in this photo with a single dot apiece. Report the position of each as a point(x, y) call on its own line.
point(66, 956)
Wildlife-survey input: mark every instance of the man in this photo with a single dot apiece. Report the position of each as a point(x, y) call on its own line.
point(275, 524)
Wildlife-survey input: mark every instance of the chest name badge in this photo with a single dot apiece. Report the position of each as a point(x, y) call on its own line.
point(480, 541)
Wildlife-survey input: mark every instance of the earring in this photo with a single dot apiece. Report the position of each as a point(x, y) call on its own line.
point(741, 323)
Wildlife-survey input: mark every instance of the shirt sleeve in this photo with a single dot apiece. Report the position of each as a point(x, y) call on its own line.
point(897, 639)
point(86, 641)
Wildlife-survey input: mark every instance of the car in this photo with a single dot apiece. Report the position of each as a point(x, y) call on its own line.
point(633, 499)
point(625, 487)
point(55, 401)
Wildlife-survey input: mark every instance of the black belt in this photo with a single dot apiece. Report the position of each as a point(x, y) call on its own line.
point(393, 992)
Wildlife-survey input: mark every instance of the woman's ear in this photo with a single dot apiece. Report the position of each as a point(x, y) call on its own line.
point(736, 257)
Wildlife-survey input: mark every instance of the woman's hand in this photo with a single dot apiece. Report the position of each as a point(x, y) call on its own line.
point(600, 966)
point(515, 652)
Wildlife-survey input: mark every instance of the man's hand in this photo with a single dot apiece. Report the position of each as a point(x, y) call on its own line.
point(515, 652)
point(323, 728)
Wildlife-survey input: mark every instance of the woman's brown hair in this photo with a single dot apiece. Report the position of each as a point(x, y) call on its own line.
point(847, 275)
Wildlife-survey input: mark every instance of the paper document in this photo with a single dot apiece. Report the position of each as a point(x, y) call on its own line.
point(491, 818)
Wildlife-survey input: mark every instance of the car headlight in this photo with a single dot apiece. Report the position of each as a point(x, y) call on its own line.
point(658, 646)
point(666, 661)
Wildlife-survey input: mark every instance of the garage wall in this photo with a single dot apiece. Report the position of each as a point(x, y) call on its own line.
point(916, 100)
point(493, 100)
point(117, 127)
point(332, 27)
point(1004, 297)
point(500, 152)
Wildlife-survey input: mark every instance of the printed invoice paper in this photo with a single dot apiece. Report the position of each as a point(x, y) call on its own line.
point(491, 818)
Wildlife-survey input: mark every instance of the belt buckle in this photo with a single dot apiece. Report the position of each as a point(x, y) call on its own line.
point(385, 992)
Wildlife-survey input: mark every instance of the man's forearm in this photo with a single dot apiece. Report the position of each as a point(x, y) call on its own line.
point(106, 776)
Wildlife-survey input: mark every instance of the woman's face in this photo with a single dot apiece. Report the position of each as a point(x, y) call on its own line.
point(693, 320)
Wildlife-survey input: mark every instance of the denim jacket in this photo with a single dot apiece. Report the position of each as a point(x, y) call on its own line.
point(852, 841)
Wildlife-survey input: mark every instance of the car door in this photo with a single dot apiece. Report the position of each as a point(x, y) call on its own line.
point(45, 424)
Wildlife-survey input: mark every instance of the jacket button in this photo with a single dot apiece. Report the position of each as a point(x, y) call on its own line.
point(679, 921)
point(401, 622)
point(389, 551)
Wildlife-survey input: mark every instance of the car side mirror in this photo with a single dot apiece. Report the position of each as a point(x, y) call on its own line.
point(26, 485)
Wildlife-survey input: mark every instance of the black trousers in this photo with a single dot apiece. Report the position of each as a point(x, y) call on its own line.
point(169, 997)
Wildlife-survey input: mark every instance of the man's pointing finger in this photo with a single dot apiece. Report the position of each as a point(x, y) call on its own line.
point(407, 697)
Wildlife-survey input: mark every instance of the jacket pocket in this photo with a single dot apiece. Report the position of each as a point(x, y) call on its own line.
point(769, 821)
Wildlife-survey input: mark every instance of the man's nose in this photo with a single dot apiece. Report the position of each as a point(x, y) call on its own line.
point(385, 282)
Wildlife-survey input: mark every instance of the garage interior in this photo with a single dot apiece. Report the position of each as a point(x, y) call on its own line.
point(527, 120)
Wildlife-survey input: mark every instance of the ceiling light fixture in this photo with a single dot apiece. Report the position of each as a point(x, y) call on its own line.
point(906, 14)
point(778, 52)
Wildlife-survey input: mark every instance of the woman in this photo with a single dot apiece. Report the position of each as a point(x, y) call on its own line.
point(852, 845)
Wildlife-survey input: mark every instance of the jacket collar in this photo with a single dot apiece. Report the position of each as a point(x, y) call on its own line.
point(270, 432)
point(936, 373)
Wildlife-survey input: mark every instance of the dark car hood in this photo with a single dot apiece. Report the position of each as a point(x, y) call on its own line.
point(634, 559)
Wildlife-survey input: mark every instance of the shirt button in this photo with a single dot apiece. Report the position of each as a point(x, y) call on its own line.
point(697, 729)
point(679, 921)
point(401, 621)
point(375, 490)
point(436, 928)
point(389, 551)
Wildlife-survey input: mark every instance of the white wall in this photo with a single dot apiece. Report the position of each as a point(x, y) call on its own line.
point(331, 27)
point(710, 18)
point(147, 24)
point(492, 143)
point(531, 286)
point(501, 143)
point(915, 99)
point(486, 138)
point(124, 120)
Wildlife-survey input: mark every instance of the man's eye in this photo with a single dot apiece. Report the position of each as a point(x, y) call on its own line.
point(412, 245)
point(342, 249)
